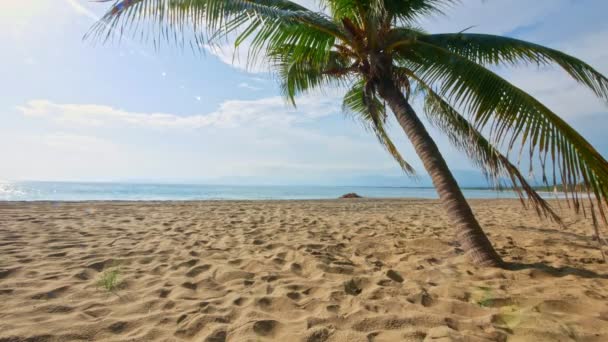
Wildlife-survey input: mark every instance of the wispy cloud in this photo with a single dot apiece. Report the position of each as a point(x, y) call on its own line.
point(248, 86)
point(237, 57)
point(271, 111)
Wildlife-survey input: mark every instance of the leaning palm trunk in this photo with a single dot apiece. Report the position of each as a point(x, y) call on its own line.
point(468, 231)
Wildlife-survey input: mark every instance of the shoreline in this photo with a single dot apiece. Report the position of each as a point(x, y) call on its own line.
point(75, 192)
point(207, 200)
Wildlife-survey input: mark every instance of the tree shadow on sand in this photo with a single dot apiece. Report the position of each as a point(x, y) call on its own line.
point(556, 271)
point(556, 231)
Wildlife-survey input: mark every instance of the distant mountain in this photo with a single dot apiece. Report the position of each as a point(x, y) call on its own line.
point(466, 178)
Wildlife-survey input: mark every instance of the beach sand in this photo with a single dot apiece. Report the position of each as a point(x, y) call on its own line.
point(337, 270)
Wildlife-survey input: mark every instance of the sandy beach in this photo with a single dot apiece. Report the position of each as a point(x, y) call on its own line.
point(335, 270)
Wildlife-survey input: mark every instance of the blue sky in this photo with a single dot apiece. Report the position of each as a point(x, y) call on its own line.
point(74, 110)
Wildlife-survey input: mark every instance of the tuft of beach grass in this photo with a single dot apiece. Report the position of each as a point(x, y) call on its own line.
point(109, 279)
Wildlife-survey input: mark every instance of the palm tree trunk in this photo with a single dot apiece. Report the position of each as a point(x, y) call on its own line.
point(469, 233)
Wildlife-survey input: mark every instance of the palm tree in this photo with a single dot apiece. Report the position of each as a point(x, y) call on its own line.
point(374, 48)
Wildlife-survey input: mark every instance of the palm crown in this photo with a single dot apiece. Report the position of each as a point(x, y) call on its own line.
point(370, 46)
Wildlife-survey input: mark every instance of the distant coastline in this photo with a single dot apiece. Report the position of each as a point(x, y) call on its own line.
point(111, 191)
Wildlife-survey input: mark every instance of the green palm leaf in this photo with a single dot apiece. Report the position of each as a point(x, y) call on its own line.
point(207, 21)
point(512, 118)
point(370, 111)
point(484, 155)
point(493, 50)
point(301, 69)
point(409, 11)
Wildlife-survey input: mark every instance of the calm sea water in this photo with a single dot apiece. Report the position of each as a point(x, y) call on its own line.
point(62, 191)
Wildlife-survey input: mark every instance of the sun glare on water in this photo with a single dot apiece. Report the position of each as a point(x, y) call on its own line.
point(9, 191)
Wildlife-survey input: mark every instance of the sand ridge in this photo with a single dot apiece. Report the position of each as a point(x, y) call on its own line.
point(335, 270)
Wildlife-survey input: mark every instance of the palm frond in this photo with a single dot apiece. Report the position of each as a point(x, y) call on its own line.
point(200, 22)
point(371, 112)
point(409, 11)
point(301, 69)
point(513, 118)
point(494, 50)
point(495, 166)
point(399, 36)
point(355, 10)
point(305, 45)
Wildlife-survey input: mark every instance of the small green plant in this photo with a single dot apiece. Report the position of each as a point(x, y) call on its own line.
point(109, 279)
point(508, 316)
point(487, 297)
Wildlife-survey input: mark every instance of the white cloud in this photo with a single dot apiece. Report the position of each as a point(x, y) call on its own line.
point(264, 139)
point(248, 86)
point(258, 79)
point(237, 58)
point(271, 111)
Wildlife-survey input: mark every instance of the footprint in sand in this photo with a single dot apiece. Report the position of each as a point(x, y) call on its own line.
point(164, 293)
point(56, 293)
point(217, 336)
point(265, 327)
point(193, 272)
point(296, 268)
point(189, 285)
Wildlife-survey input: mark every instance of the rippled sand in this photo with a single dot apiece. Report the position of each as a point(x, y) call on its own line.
point(343, 270)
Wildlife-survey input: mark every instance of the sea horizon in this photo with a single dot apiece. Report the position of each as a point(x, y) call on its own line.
point(190, 191)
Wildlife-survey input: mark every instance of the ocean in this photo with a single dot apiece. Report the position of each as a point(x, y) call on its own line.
point(72, 191)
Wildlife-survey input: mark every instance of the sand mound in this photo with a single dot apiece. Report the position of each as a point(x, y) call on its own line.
point(370, 270)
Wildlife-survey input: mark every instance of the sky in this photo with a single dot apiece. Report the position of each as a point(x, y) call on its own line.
point(74, 110)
